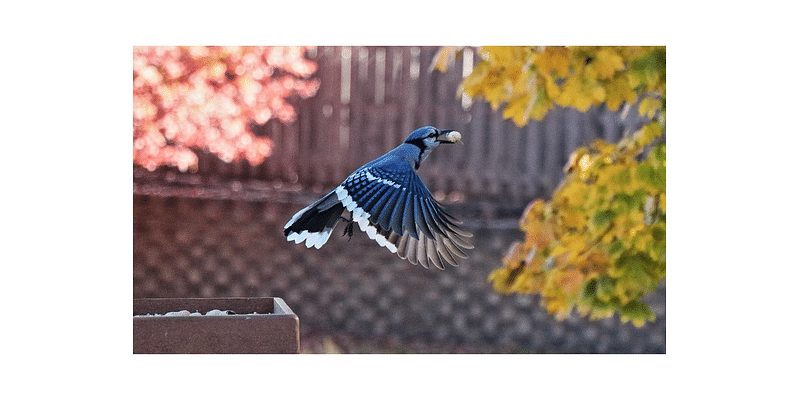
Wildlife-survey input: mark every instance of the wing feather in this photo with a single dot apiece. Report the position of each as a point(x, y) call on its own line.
point(403, 216)
point(398, 210)
point(419, 218)
point(384, 210)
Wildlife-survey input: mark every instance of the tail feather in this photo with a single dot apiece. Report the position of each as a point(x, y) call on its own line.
point(315, 222)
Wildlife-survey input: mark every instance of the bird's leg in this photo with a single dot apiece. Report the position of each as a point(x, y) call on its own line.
point(348, 229)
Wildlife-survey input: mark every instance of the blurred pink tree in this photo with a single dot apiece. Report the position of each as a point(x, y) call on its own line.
point(205, 98)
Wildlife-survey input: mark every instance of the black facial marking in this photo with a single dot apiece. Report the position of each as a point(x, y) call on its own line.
point(419, 143)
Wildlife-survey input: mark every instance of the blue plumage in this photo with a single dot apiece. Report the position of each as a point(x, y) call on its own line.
point(388, 201)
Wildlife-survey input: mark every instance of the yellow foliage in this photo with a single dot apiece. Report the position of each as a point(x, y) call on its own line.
point(530, 80)
point(599, 244)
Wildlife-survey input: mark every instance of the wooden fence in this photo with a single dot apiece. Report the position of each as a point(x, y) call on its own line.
point(371, 98)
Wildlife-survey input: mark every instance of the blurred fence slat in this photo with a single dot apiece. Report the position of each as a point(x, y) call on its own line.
point(371, 98)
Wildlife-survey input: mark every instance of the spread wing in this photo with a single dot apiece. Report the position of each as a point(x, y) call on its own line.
point(396, 210)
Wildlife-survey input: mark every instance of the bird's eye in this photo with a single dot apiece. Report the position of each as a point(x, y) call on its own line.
point(432, 134)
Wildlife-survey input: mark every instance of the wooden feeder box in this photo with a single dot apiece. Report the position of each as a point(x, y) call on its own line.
point(252, 325)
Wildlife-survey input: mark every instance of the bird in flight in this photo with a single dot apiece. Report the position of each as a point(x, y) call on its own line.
point(388, 201)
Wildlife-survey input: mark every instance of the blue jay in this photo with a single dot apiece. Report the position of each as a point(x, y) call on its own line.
point(388, 201)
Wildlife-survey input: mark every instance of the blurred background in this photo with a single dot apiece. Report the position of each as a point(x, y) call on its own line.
point(230, 142)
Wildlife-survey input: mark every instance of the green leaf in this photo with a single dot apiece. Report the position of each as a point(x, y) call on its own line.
point(623, 177)
point(637, 312)
point(616, 247)
point(590, 288)
point(660, 177)
point(639, 196)
point(603, 217)
point(627, 202)
point(657, 177)
point(659, 234)
point(650, 69)
point(605, 288)
point(659, 153)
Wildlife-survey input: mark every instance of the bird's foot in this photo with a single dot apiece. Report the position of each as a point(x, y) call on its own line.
point(348, 229)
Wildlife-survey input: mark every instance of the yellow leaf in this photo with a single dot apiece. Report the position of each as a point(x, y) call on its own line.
point(554, 305)
point(598, 314)
point(574, 220)
point(531, 214)
point(527, 282)
point(632, 221)
point(572, 194)
point(584, 163)
point(574, 243)
point(554, 59)
point(605, 64)
point(444, 57)
point(473, 83)
point(574, 158)
point(649, 133)
point(598, 94)
point(617, 91)
point(517, 109)
point(524, 84)
point(611, 176)
point(648, 107)
point(576, 94)
point(571, 281)
point(550, 86)
point(498, 54)
point(513, 253)
point(495, 95)
point(559, 250)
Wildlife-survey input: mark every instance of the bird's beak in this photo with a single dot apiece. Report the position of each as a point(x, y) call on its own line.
point(449, 136)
